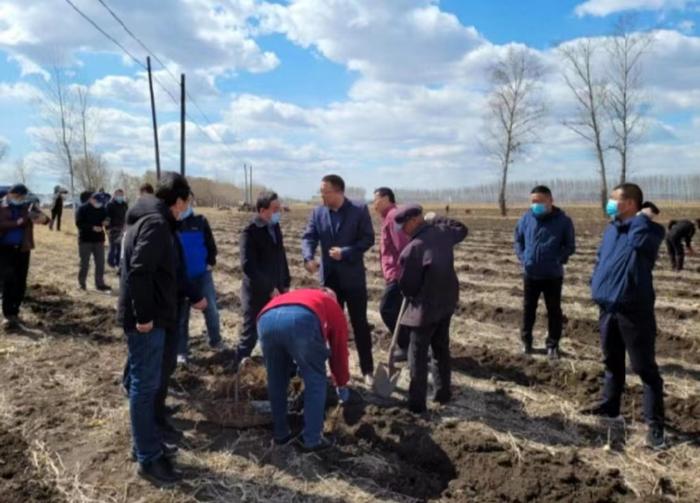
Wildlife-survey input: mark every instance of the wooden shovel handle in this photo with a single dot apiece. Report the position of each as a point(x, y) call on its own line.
point(395, 337)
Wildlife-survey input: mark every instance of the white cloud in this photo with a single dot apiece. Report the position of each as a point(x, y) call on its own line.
point(387, 41)
point(606, 7)
point(198, 35)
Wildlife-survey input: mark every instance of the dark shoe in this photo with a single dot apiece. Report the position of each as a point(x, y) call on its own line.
point(400, 355)
point(169, 451)
point(286, 440)
point(324, 444)
point(527, 348)
point(82, 287)
point(655, 437)
point(553, 354)
point(602, 411)
point(160, 472)
point(104, 288)
point(442, 398)
point(12, 324)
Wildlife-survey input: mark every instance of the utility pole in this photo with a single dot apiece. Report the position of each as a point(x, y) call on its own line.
point(182, 124)
point(153, 113)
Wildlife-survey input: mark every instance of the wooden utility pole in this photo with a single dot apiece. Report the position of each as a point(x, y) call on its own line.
point(182, 124)
point(153, 113)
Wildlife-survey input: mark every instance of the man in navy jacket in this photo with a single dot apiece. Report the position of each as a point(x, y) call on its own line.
point(622, 285)
point(344, 231)
point(544, 241)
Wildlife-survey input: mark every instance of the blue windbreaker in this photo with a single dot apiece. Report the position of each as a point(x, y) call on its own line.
point(544, 244)
point(622, 278)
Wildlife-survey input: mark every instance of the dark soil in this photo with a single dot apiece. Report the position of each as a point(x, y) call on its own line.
point(19, 480)
point(447, 462)
point(583, 386)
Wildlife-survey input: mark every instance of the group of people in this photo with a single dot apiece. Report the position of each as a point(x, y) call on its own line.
point(165, 255)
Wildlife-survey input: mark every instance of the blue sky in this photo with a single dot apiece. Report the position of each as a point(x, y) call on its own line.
point(378, 91)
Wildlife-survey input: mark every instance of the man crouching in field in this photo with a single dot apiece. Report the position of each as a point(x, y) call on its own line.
point(150, 277)
point(623, 287)
point(431, 288)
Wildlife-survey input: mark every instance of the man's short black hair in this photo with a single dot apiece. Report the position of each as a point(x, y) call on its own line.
point(386, 192)
point(541, 189)
point(265, 199)
point(171, 187)
point(654, 209)
point(85, 196)
point(335, 181)
point(632, 191)
point(146, 188)
point(119, 190)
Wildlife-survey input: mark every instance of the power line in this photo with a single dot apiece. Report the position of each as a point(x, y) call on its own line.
point(165, 67)
point(140, 63)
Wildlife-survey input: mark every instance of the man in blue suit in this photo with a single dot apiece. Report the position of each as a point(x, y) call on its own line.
point(344, 231)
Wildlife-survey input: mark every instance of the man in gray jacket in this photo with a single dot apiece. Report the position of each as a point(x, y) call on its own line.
point(430, 285)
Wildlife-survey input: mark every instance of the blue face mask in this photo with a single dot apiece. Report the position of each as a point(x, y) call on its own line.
point(15, 202)
point(612, 208)
point(97, 205)
point(119, 199)
point(187, 213)
point(275, 218)
point(539, 209)
point(398, 227)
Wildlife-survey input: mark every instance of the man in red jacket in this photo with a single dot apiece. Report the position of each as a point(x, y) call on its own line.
point(304, 328)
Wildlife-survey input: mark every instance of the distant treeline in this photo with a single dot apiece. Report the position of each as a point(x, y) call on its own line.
point(656, 188)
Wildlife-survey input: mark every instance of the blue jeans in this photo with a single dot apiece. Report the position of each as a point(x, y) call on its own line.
point(289, 335)
point(145, 361)
point(205, 284)
point(115, 247)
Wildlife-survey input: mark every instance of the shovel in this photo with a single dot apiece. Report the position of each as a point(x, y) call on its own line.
point(386, 376)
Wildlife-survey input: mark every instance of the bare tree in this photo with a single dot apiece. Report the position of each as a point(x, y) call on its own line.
point(516, 108)
point(626, 49)
point(590, 89)
point(91, 172)
point(22, 174)
point(58, 110)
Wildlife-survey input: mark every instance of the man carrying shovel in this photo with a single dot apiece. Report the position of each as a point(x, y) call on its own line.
point(431, 288)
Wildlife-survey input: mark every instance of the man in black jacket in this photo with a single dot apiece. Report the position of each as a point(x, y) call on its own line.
point(264, 265)
point(116, 216)
point(680, 233)
point(90, 220)
point(57, 208)
point(152, 279)
point(430, 285)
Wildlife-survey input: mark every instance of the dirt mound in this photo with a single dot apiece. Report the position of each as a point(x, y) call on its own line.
point(60, 315)
point(19, 481)
point(423, 461)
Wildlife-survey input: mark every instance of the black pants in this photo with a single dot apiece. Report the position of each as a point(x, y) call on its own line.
point(551, 288)
point(389, 308)
point(676, 252)
point(437, 338)
point(636, 334)
point(96, 250)
point(14, 268)
point(252, 305)
point(356, 300)
point(56, 215)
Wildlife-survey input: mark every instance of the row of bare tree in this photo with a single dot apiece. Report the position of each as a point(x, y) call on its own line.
point(681, 188)
point(605, 78)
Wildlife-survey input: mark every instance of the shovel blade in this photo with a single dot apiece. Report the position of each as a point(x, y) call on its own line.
point(384, 383)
